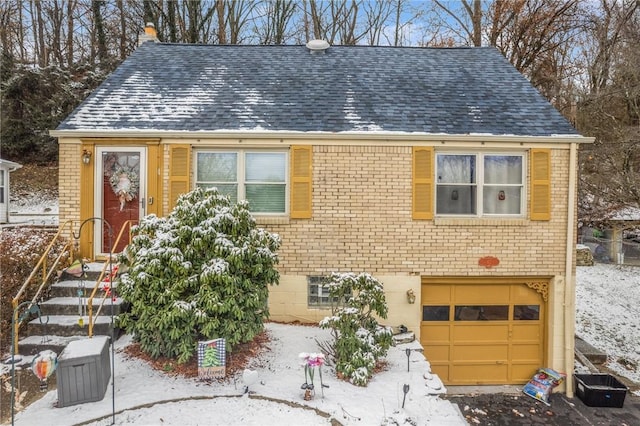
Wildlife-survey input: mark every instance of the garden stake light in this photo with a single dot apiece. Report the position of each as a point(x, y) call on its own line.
point(408, 352)
point(405, 389)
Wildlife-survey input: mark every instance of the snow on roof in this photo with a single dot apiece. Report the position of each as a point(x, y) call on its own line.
point(220, 88)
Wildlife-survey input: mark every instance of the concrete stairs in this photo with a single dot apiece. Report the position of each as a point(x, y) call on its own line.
point(65, 314)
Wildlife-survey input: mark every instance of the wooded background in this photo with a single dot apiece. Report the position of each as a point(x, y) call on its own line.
point(582, 55)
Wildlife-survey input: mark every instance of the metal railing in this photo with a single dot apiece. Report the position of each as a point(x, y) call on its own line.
point(46, 273)
point(66, 236)
point(109, 273)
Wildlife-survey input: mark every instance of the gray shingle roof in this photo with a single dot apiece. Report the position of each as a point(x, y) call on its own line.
point(183, 87)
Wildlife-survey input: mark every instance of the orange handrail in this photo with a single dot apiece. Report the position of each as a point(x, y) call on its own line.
point(127, 225)
point(46, 275)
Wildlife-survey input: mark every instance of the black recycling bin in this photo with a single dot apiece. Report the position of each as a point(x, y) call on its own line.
point(600, 390)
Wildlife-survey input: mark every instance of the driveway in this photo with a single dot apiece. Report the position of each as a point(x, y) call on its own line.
point(509, 409)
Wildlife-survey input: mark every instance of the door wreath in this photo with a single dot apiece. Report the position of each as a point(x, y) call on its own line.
point(124, 183)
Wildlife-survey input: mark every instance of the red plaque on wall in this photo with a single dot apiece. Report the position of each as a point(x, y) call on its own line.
point(488, 261)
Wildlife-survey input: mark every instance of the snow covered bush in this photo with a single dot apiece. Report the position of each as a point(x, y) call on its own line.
point(359, 341)
point(20, 251)
point(201, 273)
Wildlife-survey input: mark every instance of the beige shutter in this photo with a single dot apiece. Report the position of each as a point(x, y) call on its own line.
point(422, 183)
point(540, 185)
point(179, 169)
point(301, 182)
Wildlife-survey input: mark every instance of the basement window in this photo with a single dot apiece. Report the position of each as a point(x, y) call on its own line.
point(318, 293)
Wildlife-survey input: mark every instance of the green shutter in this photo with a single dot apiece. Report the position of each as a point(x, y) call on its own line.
point(540, 184)
point(301, 182)
point(422, 183)
point(179, 169)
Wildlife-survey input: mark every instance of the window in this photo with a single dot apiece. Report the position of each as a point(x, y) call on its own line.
point(526, 312)
point(318, 293)
point(260, 177)
point(479, 184)
point(481, 313)
point(2, 186)
point(435, 313)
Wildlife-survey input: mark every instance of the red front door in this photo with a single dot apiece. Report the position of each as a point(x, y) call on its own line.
point(121, 195)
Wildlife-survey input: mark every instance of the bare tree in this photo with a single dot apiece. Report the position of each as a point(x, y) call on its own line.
point(606, 25)
point(100, 36)
point(71, 6)
point(377, 14)
point(272, 25)
point(9, 26)
point(222, 27)
point(469, 19)
point(239, 13)
point(610, 111)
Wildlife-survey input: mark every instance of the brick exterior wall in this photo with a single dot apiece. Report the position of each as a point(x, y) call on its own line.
point(69, 182)
point(362, 222)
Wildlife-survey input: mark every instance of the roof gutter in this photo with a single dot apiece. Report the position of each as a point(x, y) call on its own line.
point(355, 135)
point(11, 166)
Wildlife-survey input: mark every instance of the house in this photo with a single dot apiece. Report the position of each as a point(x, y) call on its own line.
point(6, 167)
point(613, 235)
point(440, 171)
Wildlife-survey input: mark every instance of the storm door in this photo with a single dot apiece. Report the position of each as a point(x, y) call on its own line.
point(120, 194)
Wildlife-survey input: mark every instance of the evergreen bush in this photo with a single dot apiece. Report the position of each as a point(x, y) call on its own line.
point(358, 340)
point(201, 273)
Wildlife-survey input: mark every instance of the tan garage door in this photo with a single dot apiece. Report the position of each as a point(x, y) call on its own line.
point(482, 331)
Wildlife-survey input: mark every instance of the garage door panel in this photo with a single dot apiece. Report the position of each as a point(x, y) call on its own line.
point(529, 352)
point(526, 332)
point(487, 294)
point(479, 374)
point(435, 333)
point(475, 332)
point(442, 370)
point(524, 294)
point(487, 333)
point(522, 373)
point(436, 295)
point(436, 353)
point(480, 353)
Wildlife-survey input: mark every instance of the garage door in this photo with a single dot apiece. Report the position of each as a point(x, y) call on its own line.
point(482, 331)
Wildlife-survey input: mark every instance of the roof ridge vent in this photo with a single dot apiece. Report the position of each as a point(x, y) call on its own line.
point(317, 47)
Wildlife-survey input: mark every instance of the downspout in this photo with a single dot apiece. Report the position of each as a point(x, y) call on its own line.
point(570, 284)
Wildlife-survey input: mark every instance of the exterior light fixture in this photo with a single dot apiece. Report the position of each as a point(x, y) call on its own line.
point(411, 296)
point(86, 156)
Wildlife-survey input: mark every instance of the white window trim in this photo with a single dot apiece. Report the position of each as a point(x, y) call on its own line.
point(479, 184)
point(240, 173)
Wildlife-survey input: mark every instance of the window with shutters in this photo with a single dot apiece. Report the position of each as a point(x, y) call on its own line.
point(480, 184)
point(260, 177)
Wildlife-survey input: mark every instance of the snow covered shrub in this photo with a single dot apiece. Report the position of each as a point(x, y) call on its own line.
point(20, 251)
point(199, 274)
point(359, 341)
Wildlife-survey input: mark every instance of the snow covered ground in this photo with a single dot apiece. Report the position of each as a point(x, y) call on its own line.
point(34, 209)
point(607, 302)
point(607, 305)
point(279, 376)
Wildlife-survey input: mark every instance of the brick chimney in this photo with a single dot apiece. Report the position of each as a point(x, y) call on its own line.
point(150, 34)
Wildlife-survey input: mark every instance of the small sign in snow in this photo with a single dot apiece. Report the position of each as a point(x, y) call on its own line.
point(212, 359)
